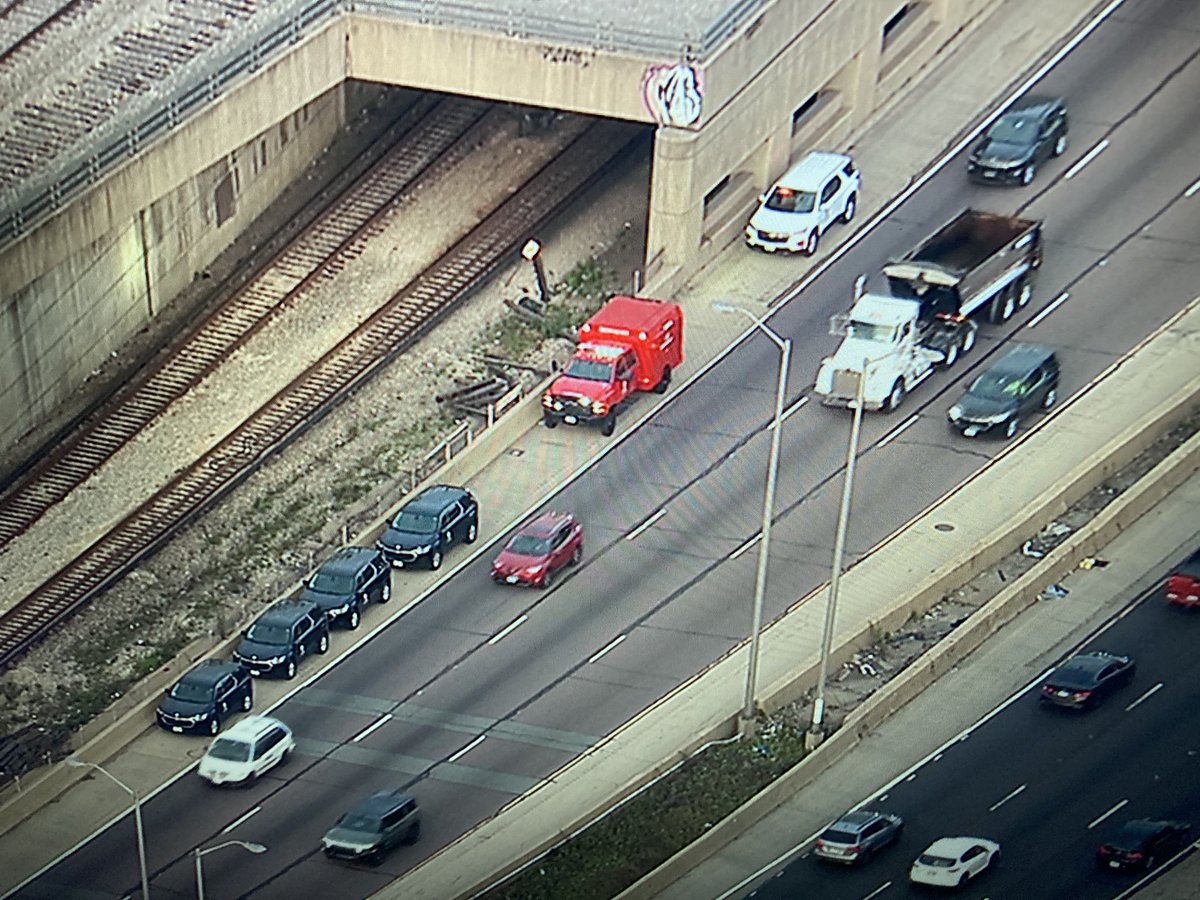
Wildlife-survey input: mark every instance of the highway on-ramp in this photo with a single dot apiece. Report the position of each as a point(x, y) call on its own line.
point(479, 692)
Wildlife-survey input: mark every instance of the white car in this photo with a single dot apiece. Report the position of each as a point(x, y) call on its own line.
point(816, 192)
point(953, 861)
point(253, 746)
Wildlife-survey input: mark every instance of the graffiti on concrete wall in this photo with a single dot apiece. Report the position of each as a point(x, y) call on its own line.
point(674, 95)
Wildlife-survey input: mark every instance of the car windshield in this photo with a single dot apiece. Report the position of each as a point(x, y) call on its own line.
point(187, 690)
point(790, 200)
point(419, 522)
point(937, 862)
point(837, 836)
point(529, 545)
point(590, 370)
point(234, 751)
point(996, 386)
point(269, 634)
point(353, 821)
point(331, 583)
point(866, 331)
point(1014, 130)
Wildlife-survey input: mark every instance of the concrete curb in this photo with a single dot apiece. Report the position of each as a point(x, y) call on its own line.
point(896, 693)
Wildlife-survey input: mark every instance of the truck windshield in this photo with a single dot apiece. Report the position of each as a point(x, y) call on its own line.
point(788, 200)
point(590, 370)
point(866, 331)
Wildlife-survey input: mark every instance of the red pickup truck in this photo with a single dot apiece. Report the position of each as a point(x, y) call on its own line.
point(630, 345)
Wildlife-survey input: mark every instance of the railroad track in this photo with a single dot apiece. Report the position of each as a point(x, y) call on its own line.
point(396, 326)
point(323, 249)
point(123, 65)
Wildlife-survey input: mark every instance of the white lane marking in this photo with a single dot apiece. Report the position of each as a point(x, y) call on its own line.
point(789, 412)
point(999, 803)
point(1053, 305)
point(897, 431)
point(508, 629)
point(234, 824)
point(1096, 821)
point(1193, 189)
point(650, 521)
point(879, 890)
point(467, 749)
point(746, 546)
point(1150, 693)
point(1088, 157)
point(937, 758)
point(378, 723)
point(611, 645)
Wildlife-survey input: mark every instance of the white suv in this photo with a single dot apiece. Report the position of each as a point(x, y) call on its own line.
point(247, 750)
point(818, 190)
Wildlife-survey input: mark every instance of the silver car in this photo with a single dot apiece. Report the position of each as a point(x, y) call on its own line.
point(856, 836)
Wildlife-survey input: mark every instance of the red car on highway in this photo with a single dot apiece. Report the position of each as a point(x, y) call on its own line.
point(1183, 584)
point(539, 549)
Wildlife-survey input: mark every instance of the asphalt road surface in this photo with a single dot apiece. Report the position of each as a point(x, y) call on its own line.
point(1048, 785)
point(670, 516)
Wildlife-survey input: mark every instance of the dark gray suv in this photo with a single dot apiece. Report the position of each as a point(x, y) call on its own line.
point(858, 835)
point(1031, 131)
point(1017, 385)
point(348, 581)
point(282, 636)
point(373, 826)
point(430, 524)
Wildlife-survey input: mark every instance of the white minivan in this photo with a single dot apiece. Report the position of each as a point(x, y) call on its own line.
point(247, 750)
point(811, 195)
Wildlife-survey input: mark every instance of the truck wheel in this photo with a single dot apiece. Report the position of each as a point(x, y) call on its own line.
point(609, 425)
point(851, 208)
point(951, 356)
point(550, 421)
point(968, 340)
point(1003, 306)
point(664, 382)
point(813, 242)
point(1024, 292)
point(896, 397)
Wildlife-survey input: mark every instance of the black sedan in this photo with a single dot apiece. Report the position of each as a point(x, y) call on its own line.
point(199, 701)
point(1083, 681)
point(1143, 842)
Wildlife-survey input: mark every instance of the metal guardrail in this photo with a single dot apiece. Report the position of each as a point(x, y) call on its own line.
point(21, 213)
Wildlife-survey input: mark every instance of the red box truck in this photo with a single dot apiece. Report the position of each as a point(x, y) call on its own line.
point(630, 345)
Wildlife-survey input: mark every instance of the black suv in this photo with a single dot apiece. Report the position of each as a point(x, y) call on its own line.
point(282, 636)
point(429, 524)
point(1022, 381)
point(374, 826)
point(200, 700)
point(1029, 133)
point(348, 581)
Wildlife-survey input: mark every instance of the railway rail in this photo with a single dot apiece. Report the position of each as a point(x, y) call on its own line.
point(24, 21)
point(317, 254)
point(409, 314)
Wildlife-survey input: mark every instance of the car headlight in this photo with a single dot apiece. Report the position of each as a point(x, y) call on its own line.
point(344, 608)
point(273, 661)
point(535, 570)
point(955, 413)
point(423, 549)
point(599, 408)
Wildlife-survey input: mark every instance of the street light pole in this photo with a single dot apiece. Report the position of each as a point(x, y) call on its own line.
point(199, 854)
point(746, 719)
point(816, 730)
point(137, 816)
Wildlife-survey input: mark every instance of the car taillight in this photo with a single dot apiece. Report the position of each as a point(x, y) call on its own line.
point(1082, 695)
point(1134, 856)
point(1105, 850)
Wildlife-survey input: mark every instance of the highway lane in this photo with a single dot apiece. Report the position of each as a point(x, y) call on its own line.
point(1049, 785)
point(653, 605)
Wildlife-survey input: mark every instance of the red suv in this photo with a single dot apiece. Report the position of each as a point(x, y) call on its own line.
point(539, 549)
point(1183, 584)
